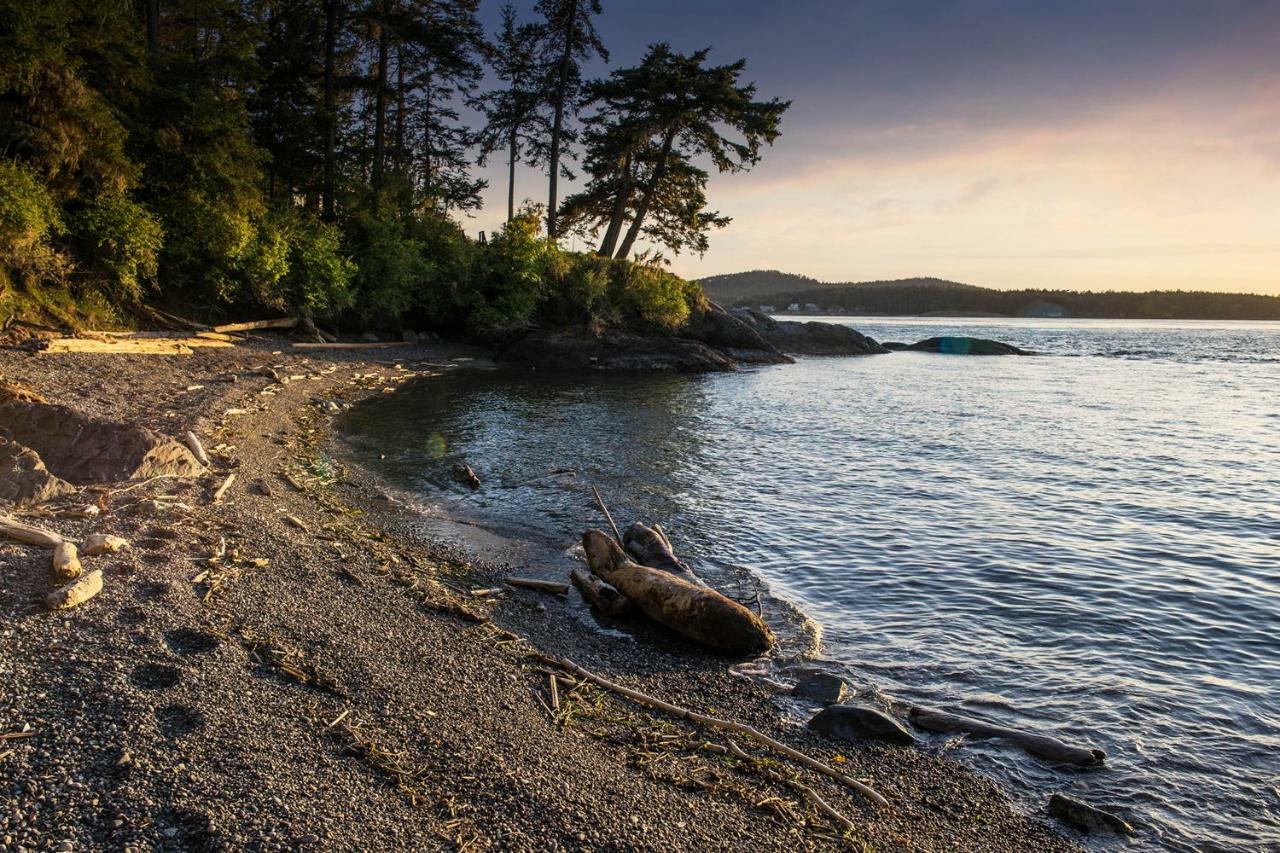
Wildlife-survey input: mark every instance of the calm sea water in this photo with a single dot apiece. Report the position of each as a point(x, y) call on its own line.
point(1086, 543)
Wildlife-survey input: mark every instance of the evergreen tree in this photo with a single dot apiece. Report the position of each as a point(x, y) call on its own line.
point(570, 40)
point(516, 114)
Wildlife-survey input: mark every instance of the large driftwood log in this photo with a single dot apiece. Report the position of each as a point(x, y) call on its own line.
point(649, 546)
point(133, 346)
point(698, 613)
point(361, 345)
point(599, 594)
point(282, 323)
point(11, 528)
point(66, 562)
point(75, 593)
point(1041, 745)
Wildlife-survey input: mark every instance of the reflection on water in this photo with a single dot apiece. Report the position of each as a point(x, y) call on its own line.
point(1083, 543)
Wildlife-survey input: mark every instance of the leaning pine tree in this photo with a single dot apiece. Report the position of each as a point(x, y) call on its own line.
point(654, 121)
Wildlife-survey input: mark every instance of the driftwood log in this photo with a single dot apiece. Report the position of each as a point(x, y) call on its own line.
point(1043, 746)
point(553, 587)
point(282, 323)
point(599, 594)
point(649, 546)
point(66, 562)
point(196, 448)
point(716, 723)
point(75, 593)
point(11, 528)
point(697, 612)
point(361, 345)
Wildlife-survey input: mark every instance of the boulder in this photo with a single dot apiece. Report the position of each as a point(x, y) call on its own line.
point(965, 346)
point(821, 687)
point(1087, 818)
point(578, 349)
point(854, 722)
point(83, 450)
point(811, 338)
point(24, 479)
point(733, 336)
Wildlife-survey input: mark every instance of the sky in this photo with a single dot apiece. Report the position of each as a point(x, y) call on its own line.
point(1077, 144)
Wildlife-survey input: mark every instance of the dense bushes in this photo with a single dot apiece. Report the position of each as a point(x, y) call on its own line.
point(28, 221)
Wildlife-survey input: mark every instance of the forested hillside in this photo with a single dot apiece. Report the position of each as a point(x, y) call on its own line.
point(312, 156)
point(937, 296)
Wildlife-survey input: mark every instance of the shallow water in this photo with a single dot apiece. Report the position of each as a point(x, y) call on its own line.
point(1087, 543)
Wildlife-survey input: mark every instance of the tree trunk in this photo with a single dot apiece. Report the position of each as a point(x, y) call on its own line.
point(330, 104)
point(619, 214)
point(557, 127)
point(380, 103)
point(399, 131)
point(511, 177)
point(153, 26)
point(642, 209)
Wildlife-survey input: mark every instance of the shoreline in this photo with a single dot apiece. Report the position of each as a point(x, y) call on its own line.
point(418, 720)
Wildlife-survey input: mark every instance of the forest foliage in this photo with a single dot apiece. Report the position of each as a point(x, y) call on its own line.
point(316, 156)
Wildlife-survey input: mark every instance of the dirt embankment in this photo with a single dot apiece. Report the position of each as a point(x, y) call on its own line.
point(287, 668)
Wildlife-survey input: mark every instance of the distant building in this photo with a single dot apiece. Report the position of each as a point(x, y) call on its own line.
point(812, 308)
point(767, 309)
point(794, 306)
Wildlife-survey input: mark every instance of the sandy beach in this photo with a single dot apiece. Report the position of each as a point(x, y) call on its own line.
point(293, 668)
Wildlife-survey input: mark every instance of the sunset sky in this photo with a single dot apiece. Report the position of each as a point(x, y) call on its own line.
point(1093, 144)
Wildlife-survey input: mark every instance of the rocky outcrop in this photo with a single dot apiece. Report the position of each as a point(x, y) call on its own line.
point(83, 450)
point(961, 346)
point(24, 479)
point(811, 338)
point(733, 336)
point(578, 349)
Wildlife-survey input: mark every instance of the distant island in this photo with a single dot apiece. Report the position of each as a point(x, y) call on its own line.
point(778, 292)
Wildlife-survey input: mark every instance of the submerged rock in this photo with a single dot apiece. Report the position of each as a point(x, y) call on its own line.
point(1087, 818)
point(24, 479)
point(962, 346)
point(855, 722)
point(821, 687)
point(83, 450)
point(811, 338)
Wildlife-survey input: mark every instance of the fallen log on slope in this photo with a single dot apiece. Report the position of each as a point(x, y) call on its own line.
point(599, 594)
point(697, 612)
point(649, 546)
point(1043, 746)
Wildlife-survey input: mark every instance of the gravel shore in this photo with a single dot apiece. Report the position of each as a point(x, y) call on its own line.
point(292, 668)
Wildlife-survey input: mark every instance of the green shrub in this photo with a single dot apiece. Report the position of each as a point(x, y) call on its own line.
point(649, 296)
point(511, 278)
point(319, 276)
point(28, 219)
point(122, 240)
point(389, 265)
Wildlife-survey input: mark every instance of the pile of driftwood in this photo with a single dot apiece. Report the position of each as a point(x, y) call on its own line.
point(641, 571)
point(77, 586)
